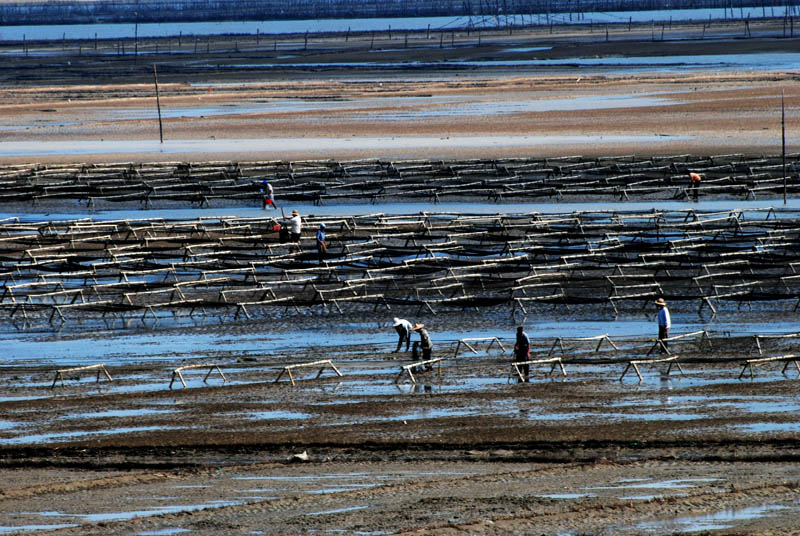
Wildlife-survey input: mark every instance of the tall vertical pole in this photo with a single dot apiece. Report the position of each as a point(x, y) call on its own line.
point(783, 144)
point(158, 105)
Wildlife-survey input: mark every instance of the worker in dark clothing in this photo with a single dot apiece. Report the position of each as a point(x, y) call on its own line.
point(522, 351)
point(424, 344)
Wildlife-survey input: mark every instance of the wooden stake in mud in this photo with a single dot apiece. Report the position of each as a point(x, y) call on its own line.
point(158, 105)
point(783, 144)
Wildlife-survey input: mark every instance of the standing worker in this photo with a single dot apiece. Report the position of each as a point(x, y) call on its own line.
point(694, 184)
point(403, 328)
point(522, 352)
point(268, 196)
point(295, 227)
point(424, 343)
point(664, 323)
point(322, 245)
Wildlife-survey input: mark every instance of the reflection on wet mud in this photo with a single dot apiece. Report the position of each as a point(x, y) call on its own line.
point(705, 522)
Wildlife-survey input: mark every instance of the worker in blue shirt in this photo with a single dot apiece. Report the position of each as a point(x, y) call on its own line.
point(322, 245)
point(664, 323)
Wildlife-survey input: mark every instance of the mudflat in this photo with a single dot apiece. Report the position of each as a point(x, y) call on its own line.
point(465, 447)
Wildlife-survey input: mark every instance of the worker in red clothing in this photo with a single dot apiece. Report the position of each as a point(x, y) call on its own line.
point(694, 186)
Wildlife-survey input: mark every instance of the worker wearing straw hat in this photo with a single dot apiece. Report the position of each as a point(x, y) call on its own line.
point(424, 342)
point(295, 226)
point(403, 328)
point(664, 322)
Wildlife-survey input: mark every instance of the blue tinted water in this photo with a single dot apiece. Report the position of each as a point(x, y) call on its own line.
point(393, 208)
point(281, 146)
point(706, 522)
point(179, 346)
point(430, 107)
point(117, 31)
point(755, 61)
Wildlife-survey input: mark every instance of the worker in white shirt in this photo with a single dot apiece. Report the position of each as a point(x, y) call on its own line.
point(403, 328)
point(295, 226)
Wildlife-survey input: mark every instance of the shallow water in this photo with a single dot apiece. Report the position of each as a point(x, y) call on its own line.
point(159, 510)
point(309, 210)
point(280, 146)
point(34, 528)
point(163, 532)
point(364, 108)
point(56, 437)
point(719, 62)
point(116, 31)
point(520, 107)
point(769, 428)
point(180, 347)
point(705, 522)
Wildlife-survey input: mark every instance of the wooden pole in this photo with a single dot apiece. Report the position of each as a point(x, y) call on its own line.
point(158, 105)
point(783, 144)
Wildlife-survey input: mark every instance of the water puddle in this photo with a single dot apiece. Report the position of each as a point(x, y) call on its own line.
point(769, 427)
point(340, 489)
point(159, 510)
point(520, 107)
point(433, 107)
point(117, 413)
point(747, 404)
point(676, 486)
point(338, 510)
point(163, 532)
point(681, 483)
point(603, 415)
point(56, 437)
point(525, 49)
point(715, 521)
point(34, 528)
point(275, 415)
point(566, 495)
point(432, 413)
point(321, 484)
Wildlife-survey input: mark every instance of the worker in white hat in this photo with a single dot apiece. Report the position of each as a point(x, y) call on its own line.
point(403, 328)
point(295, 226)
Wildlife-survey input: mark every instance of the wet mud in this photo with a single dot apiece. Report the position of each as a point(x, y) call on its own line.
point(602, 448)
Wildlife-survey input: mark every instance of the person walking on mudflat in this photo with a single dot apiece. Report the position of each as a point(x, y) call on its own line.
point(268, 197)
point(664, 323)
point(522, 351)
